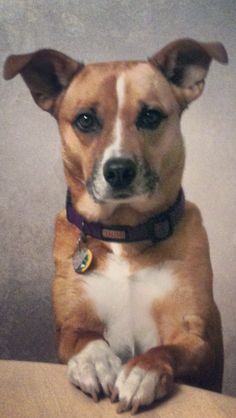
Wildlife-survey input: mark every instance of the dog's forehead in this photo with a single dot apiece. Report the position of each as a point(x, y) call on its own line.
point(137, 82)
point(144, 84)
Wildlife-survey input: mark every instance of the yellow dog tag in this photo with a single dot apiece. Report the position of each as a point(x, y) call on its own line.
point(82, 260)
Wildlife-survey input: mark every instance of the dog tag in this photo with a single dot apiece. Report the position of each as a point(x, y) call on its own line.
point(82, 260)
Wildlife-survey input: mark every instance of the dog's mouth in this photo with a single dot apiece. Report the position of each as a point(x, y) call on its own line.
point(122, 195)
point(108, 195)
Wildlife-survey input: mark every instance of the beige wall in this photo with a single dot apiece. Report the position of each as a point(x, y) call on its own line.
point(32, 184)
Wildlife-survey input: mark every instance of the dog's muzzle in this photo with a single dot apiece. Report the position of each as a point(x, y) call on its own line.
point(121, 178)
point(119, 173)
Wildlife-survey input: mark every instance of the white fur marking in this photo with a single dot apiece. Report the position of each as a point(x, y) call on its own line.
point(120, 90)
point(111, 294)
point(115, 149)
point(124, 301)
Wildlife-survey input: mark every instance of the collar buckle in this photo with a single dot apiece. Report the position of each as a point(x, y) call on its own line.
point(162, 228)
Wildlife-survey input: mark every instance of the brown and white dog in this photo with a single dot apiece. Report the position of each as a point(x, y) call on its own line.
point(142, 314)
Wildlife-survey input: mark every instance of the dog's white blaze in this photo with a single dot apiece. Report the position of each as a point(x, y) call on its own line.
point(120, 91)
point(124, 302)
point(115, 149)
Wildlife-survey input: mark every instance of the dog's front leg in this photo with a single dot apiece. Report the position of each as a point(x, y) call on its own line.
point(92, 366)
point(150, 376)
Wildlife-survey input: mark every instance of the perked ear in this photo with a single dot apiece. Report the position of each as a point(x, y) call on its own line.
point(46, 72)
point(185, 64)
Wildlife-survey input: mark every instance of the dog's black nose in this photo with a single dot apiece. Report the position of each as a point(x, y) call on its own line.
point(119, 172)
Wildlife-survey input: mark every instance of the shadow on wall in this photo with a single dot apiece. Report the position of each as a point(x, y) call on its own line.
point(28, 330)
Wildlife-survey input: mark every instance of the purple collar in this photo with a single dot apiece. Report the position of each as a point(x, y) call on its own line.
point(156, 229)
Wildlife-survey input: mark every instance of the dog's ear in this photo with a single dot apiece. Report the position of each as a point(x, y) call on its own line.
point(185, 64)
point(46, 72)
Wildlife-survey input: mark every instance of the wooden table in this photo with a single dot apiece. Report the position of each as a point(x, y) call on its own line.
point(40, 390)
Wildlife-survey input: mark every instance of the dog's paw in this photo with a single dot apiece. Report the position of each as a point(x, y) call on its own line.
point(136, 387)
point(95, 368)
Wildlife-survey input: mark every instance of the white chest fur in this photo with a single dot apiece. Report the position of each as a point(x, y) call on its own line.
point(124, 301)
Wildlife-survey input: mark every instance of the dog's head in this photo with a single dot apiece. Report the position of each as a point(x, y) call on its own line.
point(120, 121)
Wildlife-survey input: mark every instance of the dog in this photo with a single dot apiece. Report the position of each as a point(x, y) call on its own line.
point(132, 292)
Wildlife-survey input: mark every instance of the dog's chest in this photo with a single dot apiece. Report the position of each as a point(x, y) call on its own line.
point(124, 303)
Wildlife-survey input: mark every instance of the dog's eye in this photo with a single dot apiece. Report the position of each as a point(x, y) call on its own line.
point(86, 122)
point(149, 119)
